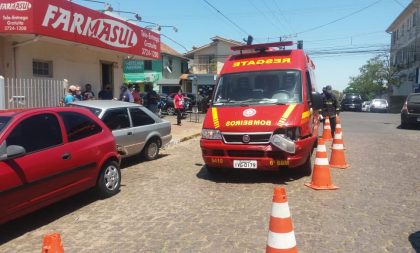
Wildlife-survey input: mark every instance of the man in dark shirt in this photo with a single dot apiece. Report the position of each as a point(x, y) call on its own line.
point(152, 100)
point(106, 94)
point(331, 107)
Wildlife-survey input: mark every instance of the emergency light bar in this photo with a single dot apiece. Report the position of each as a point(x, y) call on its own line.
point(262, 47)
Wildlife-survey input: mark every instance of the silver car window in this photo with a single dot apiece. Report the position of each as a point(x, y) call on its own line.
point(140, 118)
point(116, 118)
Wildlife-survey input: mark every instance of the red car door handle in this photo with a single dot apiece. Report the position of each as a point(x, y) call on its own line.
point(66, 156)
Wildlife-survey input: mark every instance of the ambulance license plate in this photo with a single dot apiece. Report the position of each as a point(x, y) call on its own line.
point(244, 164)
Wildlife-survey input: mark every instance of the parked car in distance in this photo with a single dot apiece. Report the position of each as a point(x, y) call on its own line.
point(379, 105)
point(410, 113)
point(136, 129)
point(48, 154)
point(366, 106)
point(351, 102)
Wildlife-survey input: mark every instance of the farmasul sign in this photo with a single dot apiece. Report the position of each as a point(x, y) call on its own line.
point(68, 21)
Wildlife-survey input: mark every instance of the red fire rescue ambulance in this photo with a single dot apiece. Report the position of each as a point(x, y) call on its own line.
point(264, 111)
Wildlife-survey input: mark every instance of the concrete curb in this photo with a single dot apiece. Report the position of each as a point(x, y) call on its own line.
point(186, 138)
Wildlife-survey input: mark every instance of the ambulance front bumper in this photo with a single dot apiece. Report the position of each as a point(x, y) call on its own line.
point(263, 157)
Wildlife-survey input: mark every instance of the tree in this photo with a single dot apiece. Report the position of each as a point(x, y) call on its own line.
point(375, 77)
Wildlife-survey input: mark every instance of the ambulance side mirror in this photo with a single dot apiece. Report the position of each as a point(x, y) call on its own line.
point(317, 101)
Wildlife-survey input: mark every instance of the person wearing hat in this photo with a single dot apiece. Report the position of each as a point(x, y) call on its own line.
point(69, 98)
point(125, 94)
point(331, 107)
point(78, 96)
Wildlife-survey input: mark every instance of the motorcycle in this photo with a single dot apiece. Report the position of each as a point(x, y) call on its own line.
point(166, 106)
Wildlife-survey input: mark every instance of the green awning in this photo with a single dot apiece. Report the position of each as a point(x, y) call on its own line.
point(134, 77)
point(147, 77)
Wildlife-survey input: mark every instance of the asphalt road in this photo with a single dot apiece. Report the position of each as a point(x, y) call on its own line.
point(173, 204)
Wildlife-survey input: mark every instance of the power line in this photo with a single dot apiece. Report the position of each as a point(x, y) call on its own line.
point(174, 41)
point(263, 14)
point(275, 16)
point(339, 19)
point(399, 3)
point(228, 19)
point(281, 13)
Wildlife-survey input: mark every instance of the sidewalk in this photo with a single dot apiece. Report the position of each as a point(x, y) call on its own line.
point(188, 129)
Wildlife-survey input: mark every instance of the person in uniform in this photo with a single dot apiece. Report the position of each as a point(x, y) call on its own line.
point(331, 107)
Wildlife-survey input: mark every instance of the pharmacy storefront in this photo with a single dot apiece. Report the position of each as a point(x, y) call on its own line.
point(58, 39)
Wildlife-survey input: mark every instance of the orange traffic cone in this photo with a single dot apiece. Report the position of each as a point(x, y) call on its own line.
point(338, 134)
point(326, 133)
point(52, 244)
point(338, 159)
point(321, 178)
point(281, 237)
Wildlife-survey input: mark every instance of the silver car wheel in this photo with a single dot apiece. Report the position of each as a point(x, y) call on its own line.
point(152, 149)
point(111, 177)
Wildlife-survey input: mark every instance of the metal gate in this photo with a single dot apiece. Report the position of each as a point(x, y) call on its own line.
point(29, 93)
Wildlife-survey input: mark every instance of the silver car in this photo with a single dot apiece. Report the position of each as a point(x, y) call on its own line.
point(136, 129)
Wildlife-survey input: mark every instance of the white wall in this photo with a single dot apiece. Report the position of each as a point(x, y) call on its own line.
point(79, 64)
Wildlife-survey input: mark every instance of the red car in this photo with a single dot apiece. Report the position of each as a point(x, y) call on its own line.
point(48, 154)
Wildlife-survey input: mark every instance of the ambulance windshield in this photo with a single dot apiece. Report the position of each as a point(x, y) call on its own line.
point(262, 87)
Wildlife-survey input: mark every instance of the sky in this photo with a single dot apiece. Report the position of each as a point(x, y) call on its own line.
point(323, 25)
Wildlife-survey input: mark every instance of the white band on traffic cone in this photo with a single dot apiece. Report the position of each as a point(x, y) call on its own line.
point(321, 161)
point(280, 210)
point(281, 240)
point(338, 146)
point(321, 148)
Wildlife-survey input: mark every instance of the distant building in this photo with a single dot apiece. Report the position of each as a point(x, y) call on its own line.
point(405, 49)
point(162, 75)
point(207, 61)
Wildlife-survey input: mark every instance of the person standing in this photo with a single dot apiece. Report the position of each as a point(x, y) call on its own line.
point(78, 96)
point(69, 98)
point(106, 94)
point(331, 107)
point(179, 106)
point(125, 95)
point(136, 95)
point(88, 93)
point(152, 100)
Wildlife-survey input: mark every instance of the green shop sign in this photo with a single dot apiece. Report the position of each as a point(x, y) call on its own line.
point(133, 66)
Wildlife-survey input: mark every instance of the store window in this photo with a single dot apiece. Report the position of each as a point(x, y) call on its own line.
point(148, 65)
point(42, 68)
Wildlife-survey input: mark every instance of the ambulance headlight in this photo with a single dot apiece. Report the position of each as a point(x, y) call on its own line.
point(283, 143)
point(211, 134)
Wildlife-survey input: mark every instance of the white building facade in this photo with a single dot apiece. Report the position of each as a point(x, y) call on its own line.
point(405, 49)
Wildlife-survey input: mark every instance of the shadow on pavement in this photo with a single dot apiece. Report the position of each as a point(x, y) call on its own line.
point(410, 127)
point(249, 176)
point(136, 160)
point(414, 239)
point(44, 216)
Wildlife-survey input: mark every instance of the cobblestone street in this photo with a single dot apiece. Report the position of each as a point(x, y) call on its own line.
point(173, 204)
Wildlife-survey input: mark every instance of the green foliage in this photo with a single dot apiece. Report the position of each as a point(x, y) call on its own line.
point(375, 77)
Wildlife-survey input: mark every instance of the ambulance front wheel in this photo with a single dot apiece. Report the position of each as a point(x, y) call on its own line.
point(306, 168)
